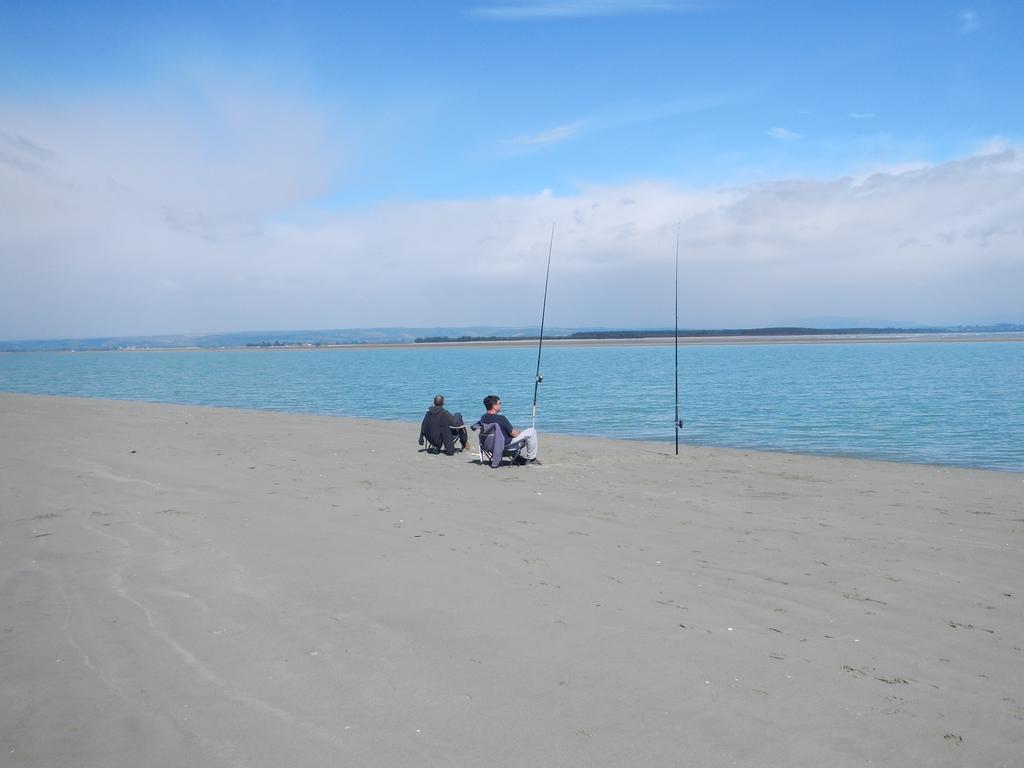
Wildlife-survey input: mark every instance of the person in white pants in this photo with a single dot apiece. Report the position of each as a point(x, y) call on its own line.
point(529, 435)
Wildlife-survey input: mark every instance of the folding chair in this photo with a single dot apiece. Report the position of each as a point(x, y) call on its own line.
point(460, 437)
point(459, 434)
point(494, 445)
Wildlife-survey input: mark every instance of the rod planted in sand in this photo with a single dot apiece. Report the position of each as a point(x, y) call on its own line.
point(540, 339)
point(679, 423)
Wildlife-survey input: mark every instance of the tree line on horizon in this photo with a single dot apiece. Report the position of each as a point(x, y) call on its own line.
point(691, 333)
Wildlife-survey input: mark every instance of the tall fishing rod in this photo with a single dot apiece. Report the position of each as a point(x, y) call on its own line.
point(540, 339)
point(679, 422)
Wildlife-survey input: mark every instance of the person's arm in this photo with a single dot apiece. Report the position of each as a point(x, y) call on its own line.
point(423, 427)
point(507, 426)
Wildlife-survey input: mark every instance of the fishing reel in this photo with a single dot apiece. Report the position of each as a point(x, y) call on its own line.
point(539, 378)
point(679, 423)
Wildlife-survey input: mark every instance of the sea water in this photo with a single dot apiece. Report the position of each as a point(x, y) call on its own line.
point(931, 402)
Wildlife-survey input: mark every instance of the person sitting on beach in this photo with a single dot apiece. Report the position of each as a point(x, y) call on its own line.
point(440, 428)
point(529, 435)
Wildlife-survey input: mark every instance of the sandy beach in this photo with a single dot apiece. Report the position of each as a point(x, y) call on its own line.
point(193, 586)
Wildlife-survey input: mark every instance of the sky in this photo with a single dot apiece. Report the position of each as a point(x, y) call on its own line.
point(211, 167)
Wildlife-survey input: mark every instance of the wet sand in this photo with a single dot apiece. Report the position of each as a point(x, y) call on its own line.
point(194, 586)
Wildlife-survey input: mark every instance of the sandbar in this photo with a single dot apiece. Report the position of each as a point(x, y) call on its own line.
point(183, 585)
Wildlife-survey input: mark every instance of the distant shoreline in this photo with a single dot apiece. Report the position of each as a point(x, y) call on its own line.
point(654, 341)
point(718, 340)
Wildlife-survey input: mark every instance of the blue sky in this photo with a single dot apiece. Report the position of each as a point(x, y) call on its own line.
point(264, 130)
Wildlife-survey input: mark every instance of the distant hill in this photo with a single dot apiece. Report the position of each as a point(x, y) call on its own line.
point(834, 322)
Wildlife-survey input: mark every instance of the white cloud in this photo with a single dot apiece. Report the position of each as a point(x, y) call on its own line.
point(551, 136)
point(861, 115)
point(969, 22)
point(617, 116)
point(784, 134)
point(993, 145)
point(103, 207)
point(121, 221)
point(564, 9)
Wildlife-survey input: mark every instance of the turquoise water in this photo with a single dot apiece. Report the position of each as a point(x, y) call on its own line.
point(944, 403)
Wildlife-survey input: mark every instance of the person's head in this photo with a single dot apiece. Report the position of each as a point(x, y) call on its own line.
point(438, 399)
point(492, 403)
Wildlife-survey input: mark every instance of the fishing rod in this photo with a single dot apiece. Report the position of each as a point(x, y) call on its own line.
point(678, 423)
point(540, 339)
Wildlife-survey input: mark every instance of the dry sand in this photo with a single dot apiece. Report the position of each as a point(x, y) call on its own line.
point(192, 586)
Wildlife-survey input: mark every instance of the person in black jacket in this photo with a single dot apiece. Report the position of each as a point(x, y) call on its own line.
point(440, 428)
